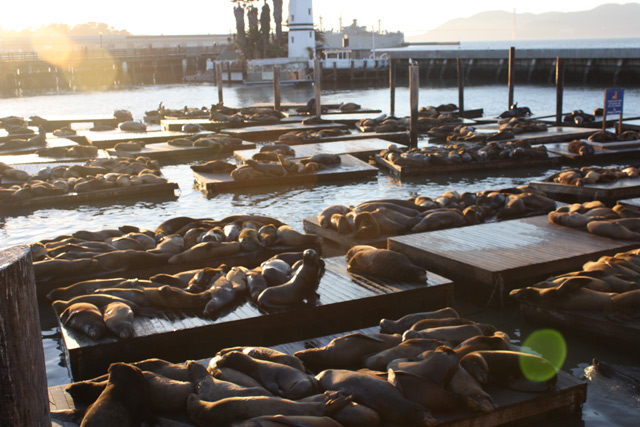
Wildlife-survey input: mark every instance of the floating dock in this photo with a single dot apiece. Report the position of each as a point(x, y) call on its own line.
point(510, 406)
point(166, 151)
point(109, 139)
point(361, 148)
point(53, 122)
point(54, 142)
point(270, 132)
point(347, 301)
point(595, 325)
point(175, 125)
point(113, 195)
point(608, 193)
point(349, 169)
point(552, 134)
point(494, 258)
point(428, 169)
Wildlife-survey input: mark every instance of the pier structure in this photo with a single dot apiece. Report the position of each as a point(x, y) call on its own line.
point(537, 66)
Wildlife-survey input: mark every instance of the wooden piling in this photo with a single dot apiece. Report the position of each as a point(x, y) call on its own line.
point(559, 89)
point(276, 87)
point(414, 84)
point(219, 83)
point(392, 86)
point(460, 86)
point(512, 57)
point(317, 75)
point(24, 397)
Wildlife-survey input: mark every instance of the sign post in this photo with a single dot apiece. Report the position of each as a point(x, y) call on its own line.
point(613, 103)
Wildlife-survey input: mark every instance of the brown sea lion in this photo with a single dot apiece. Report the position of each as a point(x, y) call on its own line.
point(439, 220)
point(175, 371)
point(289, 420)
point(438, 365)
point(399, 326)
point(498, 341)
point(279, 379)
point(235, 409)
point(387, 264)
point(504, 368)
point(346, 352)
point(212, 389)
point(170, 297)
point(168, 395)
point(206, 250)
point(49, 269)
point(624, 307)
point(124, 401)
point(265, 353)
point(287, 236)
point(406, 349)
point(84, 317)
point(564, 297)
point(378, 395)
point(613, 230)
point(452, 335)
point(231, 375)
point(324, 217)
point(473, 396)
point(569, 219)
point(424, 392)
point(436, 323)
point(82, 288)
point(352, 415)
point(99, 300)
point(302, 286)
point(118, 318)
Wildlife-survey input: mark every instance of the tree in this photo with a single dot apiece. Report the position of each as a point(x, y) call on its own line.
point(265, 27)
point(238, 12)
point(277, 18)
point(253, 39)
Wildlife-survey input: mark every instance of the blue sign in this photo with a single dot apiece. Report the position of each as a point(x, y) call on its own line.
point(613, 100)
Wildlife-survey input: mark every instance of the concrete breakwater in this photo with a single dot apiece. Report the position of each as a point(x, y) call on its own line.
point(536, 66)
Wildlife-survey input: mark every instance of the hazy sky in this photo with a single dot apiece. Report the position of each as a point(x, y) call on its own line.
point(216, 16)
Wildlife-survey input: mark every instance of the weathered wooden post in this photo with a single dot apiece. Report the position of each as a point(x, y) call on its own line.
point(276, 87)
point(414, 84)
point(317, 74)
point(512, 58)
point(392, 86)
point(559, 89)
point(219, 82)
point(460, 86)
point(24, 399)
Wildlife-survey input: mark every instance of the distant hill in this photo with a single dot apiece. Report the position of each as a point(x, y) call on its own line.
point(609, 20)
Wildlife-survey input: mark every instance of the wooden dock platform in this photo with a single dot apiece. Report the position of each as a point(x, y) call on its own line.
point(270, 132)
point(165, 151)
point(349, 169)
point(50, 143)
point(166, 190)
point(347, 301)
point(53, 122)
point(595, 325)
point(361, 148)
point(175, 124)
point(552, 134)
point(494, 258)
point(510, 406)
point(109, 139)
point(608, 193)
point(407, 171)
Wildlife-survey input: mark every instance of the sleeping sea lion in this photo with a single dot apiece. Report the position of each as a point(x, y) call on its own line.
point(212, 389)
point(406, 349)
point(399, 326)
point(84, 317)
point(387, 264)
point(118, 318)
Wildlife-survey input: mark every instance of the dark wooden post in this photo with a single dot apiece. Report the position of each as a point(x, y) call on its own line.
point(392, 86)
point(219, 83)
point(512, 57)
point(276, 87)
point(414, 84)
point(559, 89)
point(317, 74)
point(24, 399)
point(460, 86)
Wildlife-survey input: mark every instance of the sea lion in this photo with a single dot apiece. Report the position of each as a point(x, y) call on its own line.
point(170, 297)
point(436, 323)
point(49, 269)
point(212, 389)
point(504, 368)
point(438, 220)
point(281, 380)
point(276, 271)
point(124, 401)
point(204, 278)
point(346, 352)
point(453, 335)
point(387, 264)
point(179, 280)
point(84, 317)
point(406, 349)
point(235, 409)
point(302, 285)
point(206, 250)
point(424, 392)
point(565, 296)
point(268, 235)
point(438, 365)
point(82, 288)
point(232, 375)
point(175, 371)
point(613, 230)
point(249, 240)
point(324, 217)
point(171, 244)
point(118, 318)
point(569, 219)
point(399, 326)
point(222, 293)
point(623, 307)
point(498, 341)
point(136, 296)
point(99, 300)
point(256, 284)
point(290, 420)
point(378, 395)
point(352, 415)
point(168, 395)
point(287, 236)
point(127, 259)
point(265, 353)
point(473, 396)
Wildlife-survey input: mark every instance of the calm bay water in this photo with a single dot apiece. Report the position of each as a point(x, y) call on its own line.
point(291, 205)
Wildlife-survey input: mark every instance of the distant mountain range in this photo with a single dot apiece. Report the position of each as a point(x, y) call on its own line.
point(609, 20)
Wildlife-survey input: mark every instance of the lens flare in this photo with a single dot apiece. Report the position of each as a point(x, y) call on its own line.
point(549, 344)
point(54, 47)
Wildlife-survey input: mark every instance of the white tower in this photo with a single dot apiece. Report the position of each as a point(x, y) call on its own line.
point(301, 35)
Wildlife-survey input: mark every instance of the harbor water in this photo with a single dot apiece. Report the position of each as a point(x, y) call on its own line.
point(606, 405)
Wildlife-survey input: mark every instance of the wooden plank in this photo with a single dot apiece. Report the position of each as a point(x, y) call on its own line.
point(109, 139)
point(552, 134)
point(346, 301)
point(350, 168)
point(165, 151)
point(362, 148)
point(266, 133)
point(595, 325)
point(109, 194)
point(607, 192)
point(406, 171)
point(518, 252)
